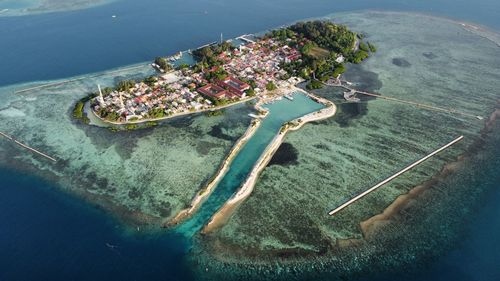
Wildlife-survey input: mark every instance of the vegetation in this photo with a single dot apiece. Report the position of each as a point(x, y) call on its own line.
point(150, 80)
point(163, 63)
point(372, 47)
point(339, 69)
point(359, 56)
point(271, 86)
point(250, 92)
point(125, 85)
point(217, 74)
point(314, 84)
point(215, 113)
point(321, 43)
point(78, 112)
point(208, 55)
point(183, 66)
point(156, 113)
point(327, 35)
point(364, 47)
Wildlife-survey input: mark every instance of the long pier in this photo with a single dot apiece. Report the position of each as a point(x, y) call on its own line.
point(27, 147)
point(422, 105)
point(341, 207)
point(77, 79)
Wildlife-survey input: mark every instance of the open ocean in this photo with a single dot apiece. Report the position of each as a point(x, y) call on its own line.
point(46, 234)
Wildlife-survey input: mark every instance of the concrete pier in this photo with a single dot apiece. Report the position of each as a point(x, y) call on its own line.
point(48, 85)
point(341, 207)
point(27, 147)
point(422, 105)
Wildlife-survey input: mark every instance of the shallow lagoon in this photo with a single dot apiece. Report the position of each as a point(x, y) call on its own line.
point(286, 216)
point(143, 176)
point(21, 111)
point(280, 112)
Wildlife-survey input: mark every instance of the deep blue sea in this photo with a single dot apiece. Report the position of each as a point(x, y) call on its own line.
point(48, 235)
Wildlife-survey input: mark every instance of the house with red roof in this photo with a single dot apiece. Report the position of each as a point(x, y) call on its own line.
point(214, 91)
point(235, 86)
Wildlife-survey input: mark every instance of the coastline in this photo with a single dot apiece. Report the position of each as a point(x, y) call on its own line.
point(203, 194)
point(170, 116)
point(370, 226)
point(225, 212)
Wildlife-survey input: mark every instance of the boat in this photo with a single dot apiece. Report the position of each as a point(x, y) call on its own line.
point(254, 116)
point(175, 57)
point(479, 117)
point(288, 96)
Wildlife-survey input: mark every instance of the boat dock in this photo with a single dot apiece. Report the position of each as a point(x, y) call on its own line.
point(341, 207)
point(27, 147)
point(422, 105)
point(244, 38)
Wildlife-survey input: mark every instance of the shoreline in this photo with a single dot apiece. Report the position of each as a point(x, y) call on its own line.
point(377, 221)
point(170, 116)
point(226, 211)
point(370, 226)
point(203, 194)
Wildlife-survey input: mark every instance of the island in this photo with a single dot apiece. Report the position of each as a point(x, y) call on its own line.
point(226, 74)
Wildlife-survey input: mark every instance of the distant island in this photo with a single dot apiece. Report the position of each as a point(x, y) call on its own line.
point(226, 74)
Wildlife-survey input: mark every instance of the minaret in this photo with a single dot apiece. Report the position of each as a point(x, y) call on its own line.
point(101, 98)
point(121, 101)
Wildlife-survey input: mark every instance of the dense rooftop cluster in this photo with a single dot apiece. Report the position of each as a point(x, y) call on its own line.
point(224, 74)
point(233, 75)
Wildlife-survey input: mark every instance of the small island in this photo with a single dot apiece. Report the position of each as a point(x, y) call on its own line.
point(226, 74)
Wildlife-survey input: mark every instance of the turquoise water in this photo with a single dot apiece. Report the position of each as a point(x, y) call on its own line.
point(280, 112)
point(48, 235)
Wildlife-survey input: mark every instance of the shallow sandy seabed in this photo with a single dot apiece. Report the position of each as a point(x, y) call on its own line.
point(28, 7)
point(285, 219)
point(146, 175)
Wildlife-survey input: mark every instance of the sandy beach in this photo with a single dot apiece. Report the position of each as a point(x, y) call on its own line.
point(232, 204)
point(370, 226)
point(205, 192)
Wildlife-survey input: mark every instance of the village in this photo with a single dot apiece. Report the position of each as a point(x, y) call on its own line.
point(246, 71)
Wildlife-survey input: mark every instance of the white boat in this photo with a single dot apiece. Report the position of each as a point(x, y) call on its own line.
point(289, 97)
point(254, 116)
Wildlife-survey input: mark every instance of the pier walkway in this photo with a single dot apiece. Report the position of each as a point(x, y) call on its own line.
point(48, 85)
point(27, 147)
point(346, 85)
point(244, 38)
point(422, 105)
point(341, 207)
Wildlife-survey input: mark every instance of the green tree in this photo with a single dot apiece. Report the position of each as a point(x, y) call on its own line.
point(271, 86)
